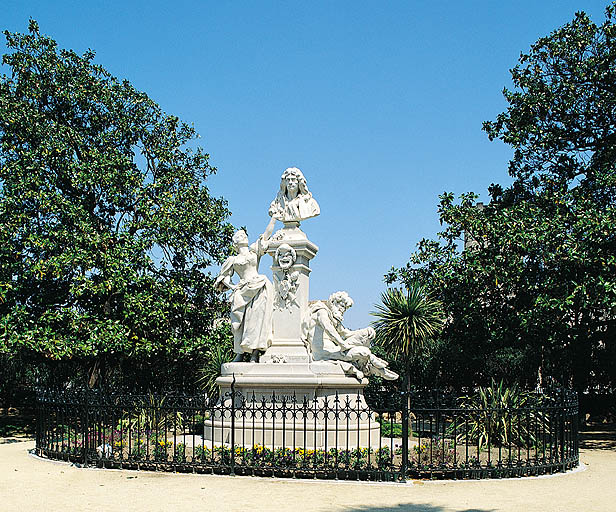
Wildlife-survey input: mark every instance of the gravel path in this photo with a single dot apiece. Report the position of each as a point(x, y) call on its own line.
point(31, 484)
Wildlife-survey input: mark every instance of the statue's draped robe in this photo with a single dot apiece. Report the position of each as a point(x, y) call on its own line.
point(251, 302)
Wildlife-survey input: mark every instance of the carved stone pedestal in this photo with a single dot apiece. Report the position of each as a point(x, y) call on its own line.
point(291, 293)
point(292, 405)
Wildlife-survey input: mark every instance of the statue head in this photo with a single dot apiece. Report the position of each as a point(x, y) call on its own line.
point(293, 202)
point(338, 303)
point(240, 238)
point(285, 256)
point(293, 183)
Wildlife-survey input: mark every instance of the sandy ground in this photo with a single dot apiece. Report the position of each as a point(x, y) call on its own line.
point(31, 484)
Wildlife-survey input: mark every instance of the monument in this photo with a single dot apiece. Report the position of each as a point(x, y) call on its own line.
point(285, 345)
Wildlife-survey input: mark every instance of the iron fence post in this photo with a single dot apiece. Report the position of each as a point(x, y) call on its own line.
point(39, 422)
point(576, 427)
point(405, 433)
point(562, 428)
point(86, 428)
point(233, 426)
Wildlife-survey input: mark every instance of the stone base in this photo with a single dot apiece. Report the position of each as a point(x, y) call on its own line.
point(289, 352)
point(278, 434)
point(302, 405)
point(319, 380)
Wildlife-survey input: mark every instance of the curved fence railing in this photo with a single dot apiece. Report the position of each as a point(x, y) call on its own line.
point(438, 435)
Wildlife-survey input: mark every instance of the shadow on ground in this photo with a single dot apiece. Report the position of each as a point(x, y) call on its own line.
point(15, 422)
point(12, 440)
point(415, 507)
point(598, 436)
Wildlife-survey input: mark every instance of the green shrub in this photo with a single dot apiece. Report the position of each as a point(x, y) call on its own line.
point(500, 415)
point(180, 453)
point(390, 429)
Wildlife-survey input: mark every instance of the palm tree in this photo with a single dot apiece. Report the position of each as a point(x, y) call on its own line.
point(211, 370)
point(406, 322)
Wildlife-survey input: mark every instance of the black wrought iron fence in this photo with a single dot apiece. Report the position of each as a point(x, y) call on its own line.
point(439, 436)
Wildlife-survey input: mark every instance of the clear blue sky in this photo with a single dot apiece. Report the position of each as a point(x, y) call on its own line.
point(379, 103)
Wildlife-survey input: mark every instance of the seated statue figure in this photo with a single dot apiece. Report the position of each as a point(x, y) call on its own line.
point(328, 340)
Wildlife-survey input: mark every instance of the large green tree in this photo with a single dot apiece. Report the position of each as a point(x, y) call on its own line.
point(534, 293)
point(106, 225)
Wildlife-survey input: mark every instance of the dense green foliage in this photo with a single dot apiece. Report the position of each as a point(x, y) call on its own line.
point(106, 226)
point(534, 293)
point(218, 353)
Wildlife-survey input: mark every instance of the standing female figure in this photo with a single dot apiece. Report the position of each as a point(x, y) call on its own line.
point(252, 299)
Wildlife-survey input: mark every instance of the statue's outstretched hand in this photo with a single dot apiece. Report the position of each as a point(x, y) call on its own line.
point(274, 211)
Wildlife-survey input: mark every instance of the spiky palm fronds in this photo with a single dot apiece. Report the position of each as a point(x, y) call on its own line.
point(499, 415)
point(406, 320)
point(211, 370)
point(154, 415)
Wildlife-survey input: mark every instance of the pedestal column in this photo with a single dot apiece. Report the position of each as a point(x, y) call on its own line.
point(291, 294)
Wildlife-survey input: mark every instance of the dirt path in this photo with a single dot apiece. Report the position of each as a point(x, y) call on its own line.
point(31, 484)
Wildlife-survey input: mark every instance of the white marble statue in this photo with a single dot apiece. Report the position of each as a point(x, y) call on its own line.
point(294, 202)
point(302, 348)
point(328, 340)
point(252, 298)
